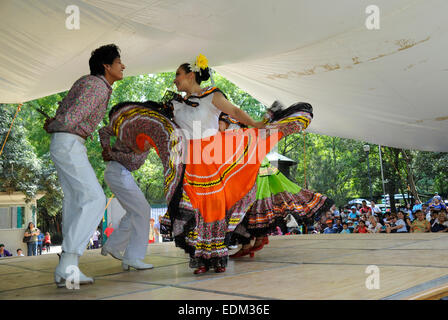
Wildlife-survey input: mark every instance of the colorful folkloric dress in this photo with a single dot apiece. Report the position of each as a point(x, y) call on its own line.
point(210, 176)
point(276, 197)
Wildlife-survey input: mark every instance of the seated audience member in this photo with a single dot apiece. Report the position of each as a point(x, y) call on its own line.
point(338, 225)
point(408, 211)
point(360, 228)
point(408, 222)
point(335, 211)
point(291, 223)
point(344, 214)
point(374, 225)
point(365, 209)
point(351, 227)
point(441, 225)
point(4, 252)
point(420, 224)
point(392, 226)
point(438, 205)
point(20, 253)
point(433, 216)
point(386, 218)
point(345, 228)
point(353, 214)
point(330, 228)
point(401, 222)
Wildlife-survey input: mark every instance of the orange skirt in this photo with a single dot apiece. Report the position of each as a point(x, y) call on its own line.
point(221, 169)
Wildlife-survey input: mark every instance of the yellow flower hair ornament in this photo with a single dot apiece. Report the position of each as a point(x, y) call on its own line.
point(201, 62)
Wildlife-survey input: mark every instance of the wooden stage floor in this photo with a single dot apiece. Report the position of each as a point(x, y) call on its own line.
point(300, 267)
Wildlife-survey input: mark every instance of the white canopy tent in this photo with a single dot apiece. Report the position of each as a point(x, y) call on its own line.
point(385, 86)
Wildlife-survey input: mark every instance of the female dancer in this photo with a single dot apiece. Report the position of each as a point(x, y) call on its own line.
point(204, 168)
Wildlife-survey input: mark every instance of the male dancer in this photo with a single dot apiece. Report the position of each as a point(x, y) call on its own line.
point(77, 117)
point(129, 241)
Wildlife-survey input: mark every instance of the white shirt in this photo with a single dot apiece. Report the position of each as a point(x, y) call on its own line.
point(198, 122)
point(400, 222)
point(375, 209)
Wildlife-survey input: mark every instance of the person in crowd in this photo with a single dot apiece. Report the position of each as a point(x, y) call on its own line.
point(40, 242)
point(408, 211)
point(361, 227)
point(330, 228)
point(375, 210)
point(426, 211)
point(374, 225)
point(351, 226)
point(47, 241)
point(434, 215)
point(365, 209)
point(335, 210)
point(152, 232)
point(4, 252)
point(391, 226)
point(338, 225)
point(344, 214)
point(417, 206)
point(19, 253)
point(345, 228)
point(401, 223)
point(277, 231)
point(386, 218)
point(157, 229)
point(408, 222)
point(420, 224)
point(33, 233)
point(441, 225)
point(353, 215)
point(95, 239)
point(291, 223)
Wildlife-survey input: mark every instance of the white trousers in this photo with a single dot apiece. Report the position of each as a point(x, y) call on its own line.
point(131, 236)
point(84, 199)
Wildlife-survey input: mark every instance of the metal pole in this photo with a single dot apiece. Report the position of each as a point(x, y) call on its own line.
point(370, 180)
point(382, 174)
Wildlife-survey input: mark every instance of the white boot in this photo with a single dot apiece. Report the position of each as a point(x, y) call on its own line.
point(115, 254)
point(136, 264)
point(68, 265)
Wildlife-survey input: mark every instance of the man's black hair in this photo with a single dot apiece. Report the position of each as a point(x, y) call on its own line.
point(103, 55)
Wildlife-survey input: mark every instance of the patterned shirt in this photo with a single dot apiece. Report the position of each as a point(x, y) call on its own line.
point(83, 108)
point(420, 226)
point(121, 152)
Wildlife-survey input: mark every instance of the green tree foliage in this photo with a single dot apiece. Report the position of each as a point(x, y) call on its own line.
point(19, 166)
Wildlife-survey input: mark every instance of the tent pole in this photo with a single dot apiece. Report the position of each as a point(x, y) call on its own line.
point(382, 173)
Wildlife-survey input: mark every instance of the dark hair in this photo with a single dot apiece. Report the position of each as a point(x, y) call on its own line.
point(103, 55)
point(2, 245)
point(204, 75)
point(18, 250)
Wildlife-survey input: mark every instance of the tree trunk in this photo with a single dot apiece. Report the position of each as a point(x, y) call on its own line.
point(410, 178)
